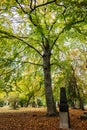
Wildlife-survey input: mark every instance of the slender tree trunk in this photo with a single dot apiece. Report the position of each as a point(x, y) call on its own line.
point(51, 107)
point(29, 98)
point(81, 104)
point(76, 89)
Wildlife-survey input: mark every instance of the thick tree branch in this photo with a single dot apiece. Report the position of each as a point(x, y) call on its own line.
point(22, 8)
point(52, 25)
point(41, 5)
point(15, 37)
point(3, 73)
point(61, 5)
point(83, 33)
point(24, 62)
point(57, 38)
point(68, 25)
point(30, 17)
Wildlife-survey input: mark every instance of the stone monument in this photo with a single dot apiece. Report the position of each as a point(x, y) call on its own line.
point(63, 110)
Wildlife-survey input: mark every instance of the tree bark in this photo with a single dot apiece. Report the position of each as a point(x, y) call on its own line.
point(51, 107)
point(81, 104)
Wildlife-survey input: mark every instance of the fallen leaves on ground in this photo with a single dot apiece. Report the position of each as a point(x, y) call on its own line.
point(35, 119)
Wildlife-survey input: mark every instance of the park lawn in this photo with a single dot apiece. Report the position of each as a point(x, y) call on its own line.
point(36, 119)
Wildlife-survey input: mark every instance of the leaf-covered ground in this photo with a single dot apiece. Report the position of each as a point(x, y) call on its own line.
point(35, 119)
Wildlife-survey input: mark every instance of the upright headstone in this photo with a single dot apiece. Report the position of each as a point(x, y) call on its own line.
point(63, 110)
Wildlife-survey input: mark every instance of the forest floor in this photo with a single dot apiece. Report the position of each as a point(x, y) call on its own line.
point(36, 119)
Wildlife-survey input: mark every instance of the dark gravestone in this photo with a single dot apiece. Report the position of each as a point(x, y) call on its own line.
point(63, 110)
point(63, 100)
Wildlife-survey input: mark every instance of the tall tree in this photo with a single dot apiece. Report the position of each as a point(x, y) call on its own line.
point(40, 25)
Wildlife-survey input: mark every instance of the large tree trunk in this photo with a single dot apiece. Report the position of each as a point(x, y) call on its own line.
point(51, 107)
